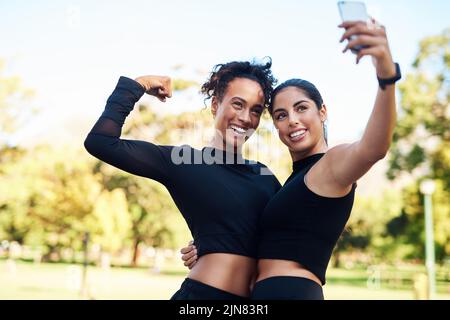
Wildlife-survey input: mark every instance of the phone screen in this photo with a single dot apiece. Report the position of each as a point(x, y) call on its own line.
point(352, 10)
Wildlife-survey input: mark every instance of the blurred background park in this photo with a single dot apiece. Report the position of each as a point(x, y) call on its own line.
point(72, 227)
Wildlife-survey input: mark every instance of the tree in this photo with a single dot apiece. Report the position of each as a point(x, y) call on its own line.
point(110, 222)
point(47, 196)
point(422, 135)
point(366, 228)
point(153, 214)
point(14, 106)
point(14, 109)
point(421, 145)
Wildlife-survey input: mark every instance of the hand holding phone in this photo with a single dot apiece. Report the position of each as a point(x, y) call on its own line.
point(366, 38)
point(353, 11)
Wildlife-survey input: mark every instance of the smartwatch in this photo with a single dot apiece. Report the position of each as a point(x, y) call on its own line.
point(394, 79)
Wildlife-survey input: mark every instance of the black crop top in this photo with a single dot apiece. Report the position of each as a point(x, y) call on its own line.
point(220, 194)
point(301, 226)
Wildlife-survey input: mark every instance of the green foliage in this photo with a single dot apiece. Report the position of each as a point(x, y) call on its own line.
point(14, 108)
point(422, 146)
point(110, 221)
point(49, 197)
point(365, 231)
point(422, 134)
point(183, 84)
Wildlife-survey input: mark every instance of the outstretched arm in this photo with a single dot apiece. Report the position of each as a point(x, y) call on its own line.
point(346, 163)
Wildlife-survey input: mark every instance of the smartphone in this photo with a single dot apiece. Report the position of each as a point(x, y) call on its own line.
point(353, 11)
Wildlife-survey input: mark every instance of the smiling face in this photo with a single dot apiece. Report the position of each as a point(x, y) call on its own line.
point(238, 114)
point(299, 122)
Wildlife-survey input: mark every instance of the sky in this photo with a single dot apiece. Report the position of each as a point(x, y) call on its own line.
point(73, 52)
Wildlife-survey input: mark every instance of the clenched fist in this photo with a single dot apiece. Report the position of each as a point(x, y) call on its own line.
point(158, 86)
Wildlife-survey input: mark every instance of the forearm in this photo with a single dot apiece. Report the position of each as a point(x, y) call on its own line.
point(104, 136)
point(120, 104)
point(377, 136)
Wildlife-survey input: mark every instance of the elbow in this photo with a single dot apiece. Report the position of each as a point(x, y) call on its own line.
point(374, 155)
point(89, 144)
point(378, 155)
point(98, 146)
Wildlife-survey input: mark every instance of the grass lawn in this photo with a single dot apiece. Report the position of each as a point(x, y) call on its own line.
point(62, 281)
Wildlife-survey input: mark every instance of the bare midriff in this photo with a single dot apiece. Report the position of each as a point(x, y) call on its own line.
point(229, 272)
point(272, 268)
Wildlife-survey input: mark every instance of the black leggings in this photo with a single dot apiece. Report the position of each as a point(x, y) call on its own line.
point(196, 290)
point(287, 288)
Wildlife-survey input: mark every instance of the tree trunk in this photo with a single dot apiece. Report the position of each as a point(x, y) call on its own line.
point(136, 252)
point(337, 260)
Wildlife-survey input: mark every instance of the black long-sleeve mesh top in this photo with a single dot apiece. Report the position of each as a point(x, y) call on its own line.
point(220, 194)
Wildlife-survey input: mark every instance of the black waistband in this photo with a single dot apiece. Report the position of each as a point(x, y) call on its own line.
point(287, 288)
point(208, 291)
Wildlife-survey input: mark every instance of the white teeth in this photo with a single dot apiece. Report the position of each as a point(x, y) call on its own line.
point(238, 129)
point(297, 133)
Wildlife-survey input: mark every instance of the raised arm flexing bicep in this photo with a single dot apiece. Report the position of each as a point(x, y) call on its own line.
point(137, 157)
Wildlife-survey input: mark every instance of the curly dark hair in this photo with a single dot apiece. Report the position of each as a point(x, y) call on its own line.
point(222, 74)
